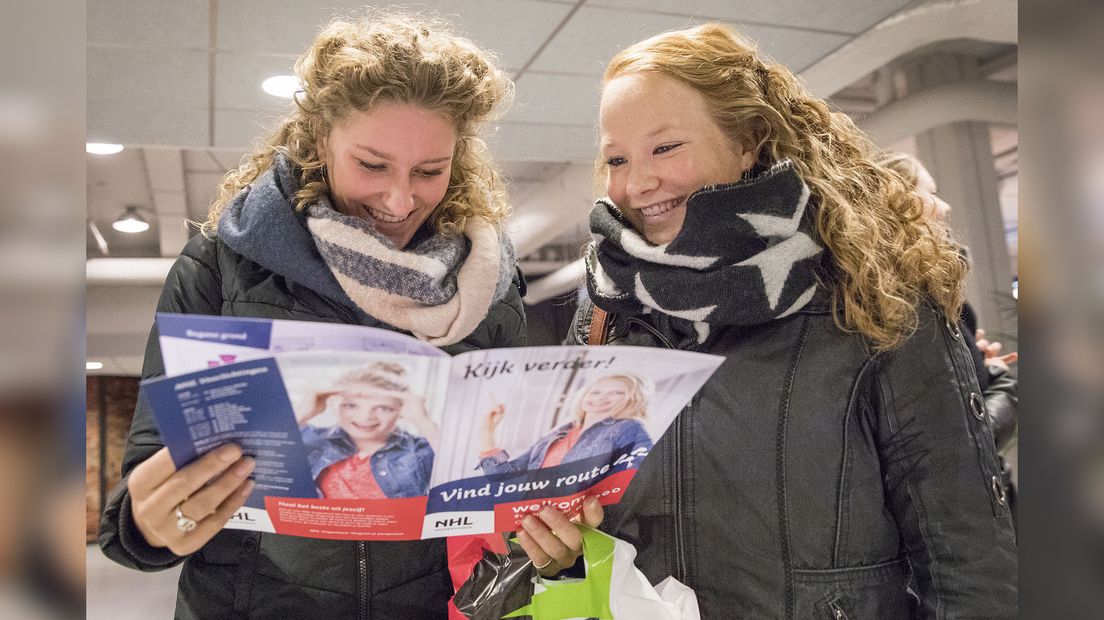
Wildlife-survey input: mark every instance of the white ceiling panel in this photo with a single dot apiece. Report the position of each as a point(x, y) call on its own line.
point(274, 26)
point(592, 36)
point(840, 16)
point(796, 49)
point(201, 188)
point(238, 79)
point(134, 122)
point(528, 142)
point(552, 98)
point(240, 129)
point(512, 28)
point(155, 77)
point(180, 23)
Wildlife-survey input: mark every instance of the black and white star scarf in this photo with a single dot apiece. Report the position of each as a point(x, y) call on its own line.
point(745, 255)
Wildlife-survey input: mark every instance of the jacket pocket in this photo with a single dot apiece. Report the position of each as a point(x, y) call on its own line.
point(874, 591)
point(836, 608)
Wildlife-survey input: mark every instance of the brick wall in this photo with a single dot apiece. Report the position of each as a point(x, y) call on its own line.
point(110, 402)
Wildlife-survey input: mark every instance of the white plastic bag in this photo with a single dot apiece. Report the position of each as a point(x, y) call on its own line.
point(613, 589)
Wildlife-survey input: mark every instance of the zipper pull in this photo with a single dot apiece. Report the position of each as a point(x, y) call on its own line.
point(837, 611)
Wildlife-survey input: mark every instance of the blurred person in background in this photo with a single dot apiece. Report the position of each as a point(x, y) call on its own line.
point(374, 203)
point(841, 452)
point(999, 385)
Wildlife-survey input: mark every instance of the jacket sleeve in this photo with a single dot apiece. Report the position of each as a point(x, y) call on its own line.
point(500, 463)
point(941, 476)
point(511, 329)
point(193, 287)
point(1002, 403)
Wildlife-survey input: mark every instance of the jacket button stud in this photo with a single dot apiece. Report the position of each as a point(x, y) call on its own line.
point(953, 328)
point(998, 491)
point(977, 405)
point(249, 544)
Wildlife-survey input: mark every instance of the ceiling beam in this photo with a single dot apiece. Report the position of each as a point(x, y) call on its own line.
point(985, 20)
point(975, 100)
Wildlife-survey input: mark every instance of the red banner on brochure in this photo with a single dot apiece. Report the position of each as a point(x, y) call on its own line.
point(348, 519)
point(508, 516)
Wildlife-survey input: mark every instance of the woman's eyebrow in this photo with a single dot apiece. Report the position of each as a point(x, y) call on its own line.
point(386, 157)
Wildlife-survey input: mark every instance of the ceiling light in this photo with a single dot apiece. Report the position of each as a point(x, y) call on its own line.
point(131, 221)
point(102, 148)
point(93, 365)
point(281, 86)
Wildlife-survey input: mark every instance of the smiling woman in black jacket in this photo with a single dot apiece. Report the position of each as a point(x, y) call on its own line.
point(841, 450)
point(374, 203)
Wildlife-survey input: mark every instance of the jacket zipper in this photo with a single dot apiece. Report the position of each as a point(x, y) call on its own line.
point(362, 569)
point(680, 544)
point(837, 612)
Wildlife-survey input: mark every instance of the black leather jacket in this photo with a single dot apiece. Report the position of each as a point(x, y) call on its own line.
point(808, 478)
point(242, 574)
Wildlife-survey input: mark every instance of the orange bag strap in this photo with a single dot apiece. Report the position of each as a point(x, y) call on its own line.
point(599, 326)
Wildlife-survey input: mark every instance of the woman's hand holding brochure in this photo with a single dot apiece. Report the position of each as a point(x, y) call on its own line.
point(183, 509)
point(552, 541)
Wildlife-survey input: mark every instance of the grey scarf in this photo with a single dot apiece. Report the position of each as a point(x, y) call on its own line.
point(439, 289)
point(744, 256)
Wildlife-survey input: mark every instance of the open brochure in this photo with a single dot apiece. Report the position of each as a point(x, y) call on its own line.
point(362, 433)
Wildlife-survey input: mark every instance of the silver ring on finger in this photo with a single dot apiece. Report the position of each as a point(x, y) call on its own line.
point(184, 523)
point(545, 565)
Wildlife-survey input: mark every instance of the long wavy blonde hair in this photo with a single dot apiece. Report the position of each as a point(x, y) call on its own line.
point(388, 57)
point(885, 258)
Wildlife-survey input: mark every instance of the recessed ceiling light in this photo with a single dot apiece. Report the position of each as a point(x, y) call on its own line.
point(93, 365)
point(102, 148)
point(281, 86)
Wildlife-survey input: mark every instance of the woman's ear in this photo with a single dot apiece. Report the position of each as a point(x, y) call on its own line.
point(320, 146)
point(747, 158)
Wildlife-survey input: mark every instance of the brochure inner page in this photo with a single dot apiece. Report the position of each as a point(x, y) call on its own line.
point(535, 426)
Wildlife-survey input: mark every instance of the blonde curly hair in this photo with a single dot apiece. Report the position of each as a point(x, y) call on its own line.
point(885, 258)
point(388, 57)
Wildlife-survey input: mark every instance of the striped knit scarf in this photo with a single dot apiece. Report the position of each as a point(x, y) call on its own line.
point(439, 289)
point(745, 255)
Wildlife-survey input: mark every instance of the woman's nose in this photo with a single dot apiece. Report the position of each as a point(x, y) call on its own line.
point(399, 199)
point(641, 180)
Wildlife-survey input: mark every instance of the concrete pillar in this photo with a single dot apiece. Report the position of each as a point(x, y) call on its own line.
point(960, 158)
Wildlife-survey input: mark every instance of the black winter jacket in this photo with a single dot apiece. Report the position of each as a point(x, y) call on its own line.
point(242, 574)
point(808, 478)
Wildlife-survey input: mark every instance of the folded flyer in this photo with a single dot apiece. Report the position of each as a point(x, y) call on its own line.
point(362, 433)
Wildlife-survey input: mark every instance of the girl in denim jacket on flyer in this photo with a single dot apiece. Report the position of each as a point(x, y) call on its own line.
point(608, 414)
point(366, 455)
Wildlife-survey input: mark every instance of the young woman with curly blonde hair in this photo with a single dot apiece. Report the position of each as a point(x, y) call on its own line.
point(838, 465)
point(374, 203)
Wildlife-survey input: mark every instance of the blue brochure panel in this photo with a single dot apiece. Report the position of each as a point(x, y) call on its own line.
point(244, 403)
point(254, 333)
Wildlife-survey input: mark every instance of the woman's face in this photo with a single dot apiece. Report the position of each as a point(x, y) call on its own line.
point(605, 398)
point(661, 144)
point(934, 206)
point(366, 415)
point(390, 166)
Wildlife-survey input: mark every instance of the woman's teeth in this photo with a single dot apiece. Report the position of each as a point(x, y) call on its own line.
point(660, 208)
point(385, 218)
